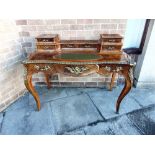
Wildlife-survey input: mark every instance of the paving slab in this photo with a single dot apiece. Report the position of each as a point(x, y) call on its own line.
point(77, 91)
point(77, 111)
point(75, 132)
point(22, 102)
point(151, 113)
point(106, 102)
point(47, 95)
point(27, 121)
point(145, 97)
point(73, 112)
point(98, 129)
point(141, 120)
point(119, 126)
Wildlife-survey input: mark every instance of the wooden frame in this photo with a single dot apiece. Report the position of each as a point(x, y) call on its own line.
point(49, 63)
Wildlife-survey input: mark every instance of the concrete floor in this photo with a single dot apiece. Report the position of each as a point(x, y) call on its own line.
point(81, 111)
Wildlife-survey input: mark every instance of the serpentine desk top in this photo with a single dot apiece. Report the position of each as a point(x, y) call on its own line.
point(77, 57)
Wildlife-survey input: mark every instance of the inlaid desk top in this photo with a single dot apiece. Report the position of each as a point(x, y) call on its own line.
point(77, 57)
point(77, 63)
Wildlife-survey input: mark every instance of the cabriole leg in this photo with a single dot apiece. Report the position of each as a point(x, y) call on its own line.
point(29, 86)
point(128, 84)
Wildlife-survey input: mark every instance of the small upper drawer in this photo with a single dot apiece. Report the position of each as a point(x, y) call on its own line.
point(46, 47)
point(48, 38)
point(79, 45)
point(111, 47)
point(45, 39)
point(112, 40)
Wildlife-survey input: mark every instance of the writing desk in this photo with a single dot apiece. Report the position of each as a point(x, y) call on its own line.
point(77, 63)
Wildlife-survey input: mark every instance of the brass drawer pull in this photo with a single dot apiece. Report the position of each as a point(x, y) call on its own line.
point(112, 40)
point(110, 48)
point(46, 47)
point(87, 46)
point(69, 46)
point(45, 40)
point(43, 68)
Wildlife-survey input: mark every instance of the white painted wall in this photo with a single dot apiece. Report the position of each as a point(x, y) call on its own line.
point(133, 33)
point(148, 68)
point(145, 69)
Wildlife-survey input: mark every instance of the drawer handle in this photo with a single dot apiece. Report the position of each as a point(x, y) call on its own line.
point(111, 40)
point(46, 47)
point(110, 48)
point(43, 68)
point(87, 46)
point(69, 46)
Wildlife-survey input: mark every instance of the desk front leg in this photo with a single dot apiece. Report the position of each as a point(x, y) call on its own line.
point(126, 71)
point(30, 87)
point(128, 75)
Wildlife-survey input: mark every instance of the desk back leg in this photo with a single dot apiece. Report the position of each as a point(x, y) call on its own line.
point(127, 73)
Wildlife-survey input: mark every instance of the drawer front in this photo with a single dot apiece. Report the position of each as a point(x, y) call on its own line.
point(112, 40)
point(79, 45)
point(45, 39)
point(46, 47)
point(111, 47)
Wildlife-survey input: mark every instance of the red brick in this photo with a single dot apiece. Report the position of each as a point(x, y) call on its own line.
point(109, 26)
point(78, 84)
point(118, 20)
point(98, 79)
point(35, 79)
point(55, 77)
point(91, 27)
point(101, 21)
point(84, 21)
point(68, 21)
point(101, 84)
point(76, 27)
point(98, 32)
point(21, 22)
point(70, 79)
point(35, 22)
point(91, 84)
point(28, 28)
point(57, 84)
point(61, 27)
point(69, 33)
point(44, 28)
point(2, 107)
point(121, 32)
point(24, 34)
point(66, 84)
point(121, 26)
point(52, 22)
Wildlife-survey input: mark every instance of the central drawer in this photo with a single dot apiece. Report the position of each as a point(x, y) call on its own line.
point(47, 47)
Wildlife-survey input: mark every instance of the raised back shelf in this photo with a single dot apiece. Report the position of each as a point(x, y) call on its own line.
point(107, 44)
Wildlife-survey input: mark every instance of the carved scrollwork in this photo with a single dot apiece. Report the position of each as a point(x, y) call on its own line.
point(110, 69)
point(107, 68)
point(76, 69)
point(43, 68)
point(131, 74)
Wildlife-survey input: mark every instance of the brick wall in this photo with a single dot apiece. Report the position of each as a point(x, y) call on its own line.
point(11, 71)
point(70, 29)
point(17, 40)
